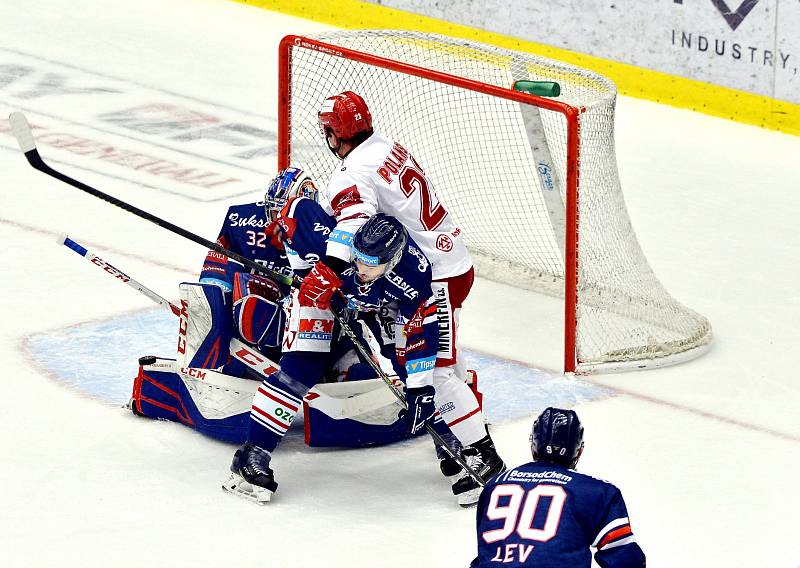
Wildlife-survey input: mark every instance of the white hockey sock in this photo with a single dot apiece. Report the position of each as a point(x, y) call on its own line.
point(458, 407)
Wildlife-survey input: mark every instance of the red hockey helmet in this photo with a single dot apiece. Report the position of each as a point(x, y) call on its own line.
point(346, 114)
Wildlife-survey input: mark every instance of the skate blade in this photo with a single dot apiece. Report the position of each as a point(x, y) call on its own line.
point(469, 498)
point(235, 485)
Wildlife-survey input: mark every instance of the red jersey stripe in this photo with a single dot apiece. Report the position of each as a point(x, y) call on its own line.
point(614, 535)
point(278, 400)
point(273, 419)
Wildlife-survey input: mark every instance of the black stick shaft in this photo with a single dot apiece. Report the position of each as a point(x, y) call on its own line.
point(399, 395)
point(22, 132)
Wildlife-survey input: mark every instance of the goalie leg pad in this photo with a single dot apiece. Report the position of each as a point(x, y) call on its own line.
point(205, 326)
point(352, 415)
point(212, 403)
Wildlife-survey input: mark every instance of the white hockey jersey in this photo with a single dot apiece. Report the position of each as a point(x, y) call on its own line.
point(380, 176)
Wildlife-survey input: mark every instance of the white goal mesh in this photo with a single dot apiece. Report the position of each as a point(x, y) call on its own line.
point(500, 167)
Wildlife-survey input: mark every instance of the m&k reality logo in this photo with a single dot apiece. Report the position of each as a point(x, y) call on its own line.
point(317, 329)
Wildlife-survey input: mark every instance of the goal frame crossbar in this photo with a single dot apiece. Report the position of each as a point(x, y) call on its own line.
point(570, 113)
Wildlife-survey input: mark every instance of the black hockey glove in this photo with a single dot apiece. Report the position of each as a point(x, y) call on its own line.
point(421, 407)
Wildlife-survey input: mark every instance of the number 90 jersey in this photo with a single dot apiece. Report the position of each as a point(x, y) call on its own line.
point(380, 176)
point(545, 515)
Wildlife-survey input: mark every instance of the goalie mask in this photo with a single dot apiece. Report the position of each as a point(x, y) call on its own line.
point(289, 183)
point(557, 436)
point(378, 246)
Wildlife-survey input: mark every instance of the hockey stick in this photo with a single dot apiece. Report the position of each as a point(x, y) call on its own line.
point(349, 407)
point(22, 132)
point(118, 274)
point(370, 357)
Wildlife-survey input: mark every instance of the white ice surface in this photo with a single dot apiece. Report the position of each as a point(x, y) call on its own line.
point(706, 453)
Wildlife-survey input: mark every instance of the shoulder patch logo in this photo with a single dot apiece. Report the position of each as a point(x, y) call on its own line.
point(345, 198)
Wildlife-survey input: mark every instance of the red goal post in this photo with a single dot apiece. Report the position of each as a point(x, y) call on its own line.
point(406, 79)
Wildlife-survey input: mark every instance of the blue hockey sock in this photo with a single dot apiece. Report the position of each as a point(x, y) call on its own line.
point(280, 397)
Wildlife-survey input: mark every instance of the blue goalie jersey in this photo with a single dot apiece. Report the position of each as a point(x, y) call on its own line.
point(304, 230)
point(545, 515)
point(244, 231)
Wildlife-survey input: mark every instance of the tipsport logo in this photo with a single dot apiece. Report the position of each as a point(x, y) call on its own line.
point(421, 365)
point(734, 18)
point(196, 149)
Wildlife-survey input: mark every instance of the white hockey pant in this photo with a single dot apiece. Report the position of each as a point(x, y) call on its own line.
point(457, 404)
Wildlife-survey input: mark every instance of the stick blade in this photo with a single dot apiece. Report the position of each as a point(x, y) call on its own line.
point(22, 131)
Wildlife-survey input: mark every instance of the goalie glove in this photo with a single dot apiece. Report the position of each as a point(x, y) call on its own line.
point(421, 407)
point(319, 286)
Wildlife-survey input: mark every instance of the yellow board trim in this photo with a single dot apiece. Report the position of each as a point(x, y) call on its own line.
point(630, 80)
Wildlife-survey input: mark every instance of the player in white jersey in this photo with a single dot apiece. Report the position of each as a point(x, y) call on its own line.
point(379, 175)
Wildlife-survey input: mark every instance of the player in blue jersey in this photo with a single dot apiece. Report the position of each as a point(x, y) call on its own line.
point(390, 278)
point(228, 304)
point(253, 299)
point(403, 299)
point(547, 515)
point(245, 231)
point(232, 325)
point(311, 333)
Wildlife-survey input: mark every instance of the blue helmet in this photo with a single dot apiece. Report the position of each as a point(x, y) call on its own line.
point(557, 436)
point(287, 184)
point(381, 240)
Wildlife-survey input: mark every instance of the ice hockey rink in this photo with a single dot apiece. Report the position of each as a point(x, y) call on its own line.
point(706, 453)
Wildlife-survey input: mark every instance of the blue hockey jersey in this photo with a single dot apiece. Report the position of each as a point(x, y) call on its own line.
point(403, 301)
point(307, 245)
point(245, 231)
point(545, 515)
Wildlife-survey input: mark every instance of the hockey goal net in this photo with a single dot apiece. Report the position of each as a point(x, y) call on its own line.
point(532, 181)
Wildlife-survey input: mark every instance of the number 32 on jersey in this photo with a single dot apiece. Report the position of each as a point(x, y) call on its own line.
point(517, 513)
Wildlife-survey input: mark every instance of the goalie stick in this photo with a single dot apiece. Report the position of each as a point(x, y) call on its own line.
point(118, 274)
point(22, 132)
point(335, 407)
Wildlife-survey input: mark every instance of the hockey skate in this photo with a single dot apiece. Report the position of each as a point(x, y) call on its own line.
point(450, 468)
point(251, 477)
point(482, 458)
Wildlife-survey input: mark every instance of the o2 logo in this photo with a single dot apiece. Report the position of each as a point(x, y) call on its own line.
point(285, 415)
